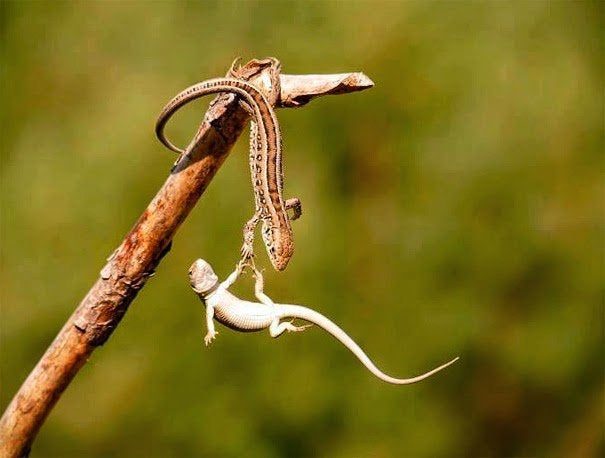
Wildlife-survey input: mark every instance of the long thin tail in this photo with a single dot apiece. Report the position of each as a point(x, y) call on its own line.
point(307, 314)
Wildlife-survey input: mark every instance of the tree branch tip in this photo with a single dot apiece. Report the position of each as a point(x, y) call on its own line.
point(298, 90)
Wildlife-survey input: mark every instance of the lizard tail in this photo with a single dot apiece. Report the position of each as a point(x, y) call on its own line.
point(307, 314)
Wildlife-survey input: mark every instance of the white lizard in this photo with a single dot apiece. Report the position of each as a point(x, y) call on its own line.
point(242, 315)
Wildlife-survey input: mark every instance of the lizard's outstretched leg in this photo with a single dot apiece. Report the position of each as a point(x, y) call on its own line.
point(239, 267)
point(276, 328)
point(211, 334)
point(259, 285)
point(296, 207)
point(247, 250)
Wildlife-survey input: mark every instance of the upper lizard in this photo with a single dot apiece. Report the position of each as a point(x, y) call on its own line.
point(243, 315)
point(265, 165)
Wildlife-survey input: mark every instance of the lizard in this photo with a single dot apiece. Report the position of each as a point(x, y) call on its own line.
point(247, 316)
point(265, 165)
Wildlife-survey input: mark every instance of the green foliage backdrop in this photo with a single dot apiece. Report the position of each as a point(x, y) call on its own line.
point(454, 209)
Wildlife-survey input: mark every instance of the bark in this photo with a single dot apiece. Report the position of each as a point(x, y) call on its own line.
point(135, 260)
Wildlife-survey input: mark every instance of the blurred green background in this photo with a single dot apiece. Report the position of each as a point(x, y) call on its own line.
point(454, 209)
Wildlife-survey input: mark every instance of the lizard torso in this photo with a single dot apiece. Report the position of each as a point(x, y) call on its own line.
point(245, 316)
point(265, 164)
point(238, 314)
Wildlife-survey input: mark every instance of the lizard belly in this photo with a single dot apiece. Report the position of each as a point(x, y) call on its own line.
point(243, 318)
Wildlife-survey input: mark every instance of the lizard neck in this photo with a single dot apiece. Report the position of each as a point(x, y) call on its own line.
point(206, 294)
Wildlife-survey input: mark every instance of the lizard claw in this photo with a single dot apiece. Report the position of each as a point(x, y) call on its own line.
point(245, 262)
point(210, 336)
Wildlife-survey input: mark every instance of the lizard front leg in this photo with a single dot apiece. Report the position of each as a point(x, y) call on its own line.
point(247, 251)
point(239, 267)
point(211, 334)
point(276, 328)
point(296, 207)
point(259, 286)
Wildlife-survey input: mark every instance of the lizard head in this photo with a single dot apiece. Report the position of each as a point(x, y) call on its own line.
point(280, 256)
point(279, 247)
point(202, 277)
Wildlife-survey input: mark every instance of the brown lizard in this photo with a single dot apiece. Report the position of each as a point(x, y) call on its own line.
point(265, 165)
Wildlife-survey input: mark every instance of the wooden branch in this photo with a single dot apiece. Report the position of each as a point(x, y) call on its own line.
point(135, 260)
point(298, 90)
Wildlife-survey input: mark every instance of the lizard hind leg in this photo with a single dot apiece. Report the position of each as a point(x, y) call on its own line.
point(276, 328)
point(295, 205)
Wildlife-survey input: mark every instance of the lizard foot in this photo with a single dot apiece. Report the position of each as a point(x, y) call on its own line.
point(277, 329)
point(210, 337)
point(296, 207)
point(290, 327)
point(246, 262)
point(247, 251)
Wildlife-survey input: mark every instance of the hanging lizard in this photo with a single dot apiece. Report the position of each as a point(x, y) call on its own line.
point(265, 165)
point(247, 316)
